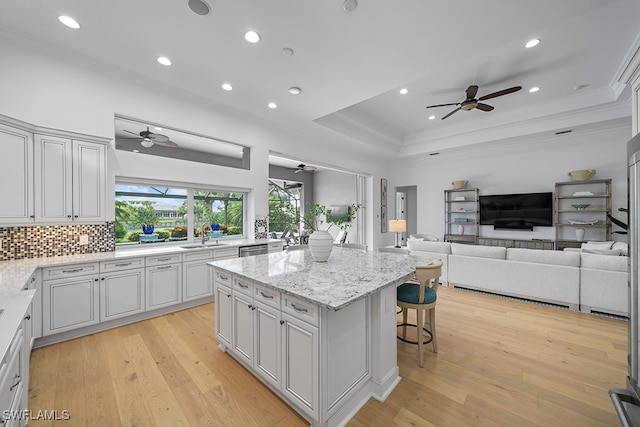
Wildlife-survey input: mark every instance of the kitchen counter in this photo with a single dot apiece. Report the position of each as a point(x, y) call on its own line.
point(347, 276)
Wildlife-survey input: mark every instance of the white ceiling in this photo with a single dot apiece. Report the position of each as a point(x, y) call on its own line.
point(351, 66)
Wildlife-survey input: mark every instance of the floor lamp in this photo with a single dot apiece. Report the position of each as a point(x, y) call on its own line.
point(397, 226)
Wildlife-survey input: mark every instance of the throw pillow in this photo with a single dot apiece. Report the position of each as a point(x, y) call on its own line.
point(615, 252)
point(597, 245)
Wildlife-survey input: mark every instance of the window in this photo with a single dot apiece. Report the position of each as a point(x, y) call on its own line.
point(152, 214)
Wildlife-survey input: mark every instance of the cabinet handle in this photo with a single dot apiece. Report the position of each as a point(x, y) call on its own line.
point(253, 307)
point(68, 216)
point(223, 277)
point(75, 270)
point(32, 216)
point(228, 295)
point(301, 310)
point(243, 285)
point(102, 278)
point(75, 216)
point(266, 296)
point(27, 317)
point(16, 384)
point(282, 322)
point(124, 264)
point(164, 267)
point(95, 280)
point(33, 279)
point(249, 306)
point(164, 259)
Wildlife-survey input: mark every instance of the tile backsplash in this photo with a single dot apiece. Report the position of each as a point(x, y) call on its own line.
point(55, 240)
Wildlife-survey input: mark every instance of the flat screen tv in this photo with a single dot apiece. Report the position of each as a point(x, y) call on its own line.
point(517, 211)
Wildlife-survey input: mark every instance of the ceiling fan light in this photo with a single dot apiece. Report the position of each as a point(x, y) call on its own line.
point(294, 90)
point(146, 143)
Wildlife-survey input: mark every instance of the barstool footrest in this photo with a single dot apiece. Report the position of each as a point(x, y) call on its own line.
point(414, 326)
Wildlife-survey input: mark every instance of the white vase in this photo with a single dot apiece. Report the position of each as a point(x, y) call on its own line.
point(580, 234)
point(320, 245)
point(461, 229)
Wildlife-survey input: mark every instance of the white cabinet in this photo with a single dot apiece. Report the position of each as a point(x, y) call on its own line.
point(224, 316)
point(16, 175)
point(196, 275)
point(268, 352)
point(121, 293)
point(70, 179)
point(163, 281)
point(70, 303)
point(276, 246)
point(14, 376)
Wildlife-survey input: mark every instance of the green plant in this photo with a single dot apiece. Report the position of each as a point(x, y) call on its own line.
point(318, 214)
point(134, 236)
point(145, 214)
point(624, 226)
point(164, 234)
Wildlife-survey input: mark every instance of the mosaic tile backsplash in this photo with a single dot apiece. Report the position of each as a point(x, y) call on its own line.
point(261, 228)
point(55, 240)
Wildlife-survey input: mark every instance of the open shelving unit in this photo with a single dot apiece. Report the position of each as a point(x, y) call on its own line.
point(461, 208)
point(592, 219)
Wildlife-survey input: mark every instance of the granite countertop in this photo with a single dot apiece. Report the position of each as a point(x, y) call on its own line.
point(348, 275)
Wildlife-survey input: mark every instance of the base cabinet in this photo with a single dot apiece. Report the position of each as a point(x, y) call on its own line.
point(70, 304)
point(163, 285)
point(224, 316)
point(121, 294)
point(196, 280)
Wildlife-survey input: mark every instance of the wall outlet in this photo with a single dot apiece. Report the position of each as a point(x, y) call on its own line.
point(84, 239)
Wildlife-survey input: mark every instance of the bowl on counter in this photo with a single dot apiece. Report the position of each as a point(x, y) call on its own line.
point(580, 206)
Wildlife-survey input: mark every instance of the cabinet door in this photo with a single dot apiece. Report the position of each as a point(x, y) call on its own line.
point(196, 280)
point(53, 172)
point(267, 360)
point(300, 371)
point(88, 181)
point(16, 175)
point(243, 327)
point(163, 286)
point(224, 316)
point(70, 304)
point(121, 294)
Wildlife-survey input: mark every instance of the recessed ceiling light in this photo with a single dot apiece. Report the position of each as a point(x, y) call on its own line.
point(272, 105)
point(199, 7)
point(287, 51)
point(227, 86)
point(532, 43)
point(294, 90)
point(164, 60)
point(157, 128)
point(534, 89)
point(432, 117)
point(580, 87)
point(136, 151)
point(404, 91)
point(350, 5)
point(69, 22)
point(251, 36)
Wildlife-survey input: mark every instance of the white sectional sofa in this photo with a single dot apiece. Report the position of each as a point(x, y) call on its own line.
point(580, 281)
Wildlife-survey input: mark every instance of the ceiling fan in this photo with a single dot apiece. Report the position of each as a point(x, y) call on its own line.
point(149, 139)
point(304, 168)
point(471, 102)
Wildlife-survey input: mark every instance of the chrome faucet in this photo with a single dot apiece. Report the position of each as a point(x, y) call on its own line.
point(204, 236)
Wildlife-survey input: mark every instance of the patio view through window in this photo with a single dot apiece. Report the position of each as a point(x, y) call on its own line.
point(148, 213)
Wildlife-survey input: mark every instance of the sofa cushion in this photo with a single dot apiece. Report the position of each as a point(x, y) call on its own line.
point(597, 245)
point(614, 252)
point(600, 262)
point(429, 246)
point(570, 259)
point(623, 246)
point(479, 251)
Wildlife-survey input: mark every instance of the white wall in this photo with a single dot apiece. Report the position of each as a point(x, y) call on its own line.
point(44, 91)
point(332, 188)
point(534, 165)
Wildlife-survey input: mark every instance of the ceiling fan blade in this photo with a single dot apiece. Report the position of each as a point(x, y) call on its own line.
point(132, 133)
point(451, 113)
point(156, 137)
point(164, 143)
point(472, 91)
point(500, 93)
point(126, 137)
point(443, 105)
point(483, 107)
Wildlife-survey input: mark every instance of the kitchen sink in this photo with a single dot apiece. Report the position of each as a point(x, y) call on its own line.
point(200, 245)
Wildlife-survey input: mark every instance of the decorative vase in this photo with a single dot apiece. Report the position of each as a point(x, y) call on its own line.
point(461, 229)
point(580, 234)
point(320, 245)
point(147, 229)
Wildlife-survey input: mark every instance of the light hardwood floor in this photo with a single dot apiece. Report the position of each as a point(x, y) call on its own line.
point(499, 363)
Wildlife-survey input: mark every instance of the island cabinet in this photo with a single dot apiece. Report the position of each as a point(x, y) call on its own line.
point(289, 343)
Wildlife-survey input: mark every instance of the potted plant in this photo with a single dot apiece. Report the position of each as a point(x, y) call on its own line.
point(146, 216)
point(320, 241)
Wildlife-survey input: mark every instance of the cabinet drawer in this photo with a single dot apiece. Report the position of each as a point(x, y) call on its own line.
point(243, 285)
point(267, 296)
point(70, 270)
point(197, 255)
point(163, 259)
point(276, 246)
point(300, 309)
point(223, 278)
point(121, 264)
point(225, 253)
point(11, 376)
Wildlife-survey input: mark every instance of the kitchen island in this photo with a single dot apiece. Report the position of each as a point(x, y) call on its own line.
point(322, 335)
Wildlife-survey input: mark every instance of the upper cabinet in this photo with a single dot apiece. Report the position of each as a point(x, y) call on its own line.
point(48, 176)
point(70, 176)
point(16, 175)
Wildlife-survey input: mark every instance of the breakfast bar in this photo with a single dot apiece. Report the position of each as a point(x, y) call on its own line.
point(322, 335)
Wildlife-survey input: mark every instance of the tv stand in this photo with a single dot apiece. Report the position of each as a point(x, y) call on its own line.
point(515, 243)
